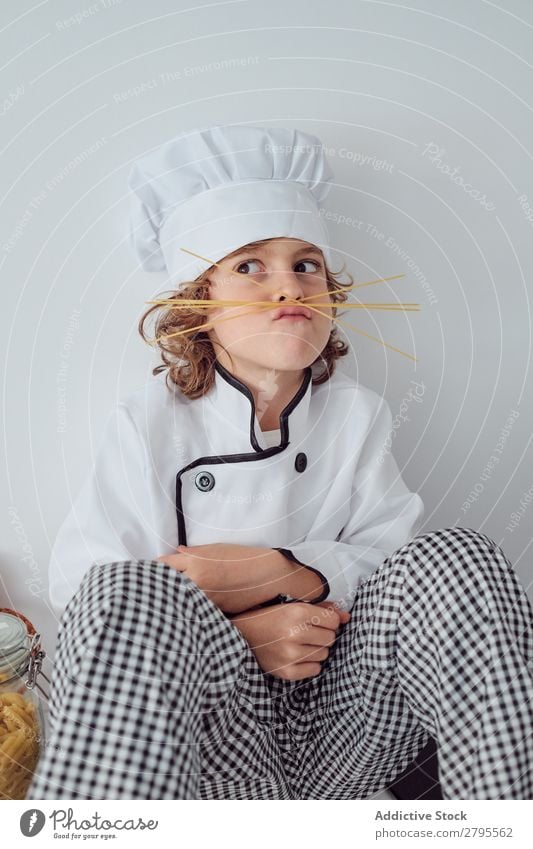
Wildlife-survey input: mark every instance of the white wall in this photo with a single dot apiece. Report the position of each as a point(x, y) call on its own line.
point(399, 95)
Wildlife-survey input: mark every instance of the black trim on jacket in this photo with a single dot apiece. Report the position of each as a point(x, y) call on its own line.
point(325, 584)
point(260, 454)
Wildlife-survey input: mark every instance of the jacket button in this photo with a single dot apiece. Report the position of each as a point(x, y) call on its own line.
point(204, 481)
point(300, 462)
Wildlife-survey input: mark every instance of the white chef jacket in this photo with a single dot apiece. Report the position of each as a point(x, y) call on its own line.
point(171, 470)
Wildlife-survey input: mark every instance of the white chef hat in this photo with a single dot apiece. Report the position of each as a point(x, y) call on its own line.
point(213, 190)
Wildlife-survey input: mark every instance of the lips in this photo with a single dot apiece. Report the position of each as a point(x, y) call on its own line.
point(302, 312)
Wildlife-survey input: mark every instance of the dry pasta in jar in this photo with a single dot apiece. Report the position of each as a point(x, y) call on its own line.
point(21, 715)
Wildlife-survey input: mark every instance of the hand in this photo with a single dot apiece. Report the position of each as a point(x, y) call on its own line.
point(235, 577)
point(291, 640)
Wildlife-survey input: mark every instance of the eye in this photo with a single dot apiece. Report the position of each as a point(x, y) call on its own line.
point(312, 261)
point(254, 262)
point(247, 262)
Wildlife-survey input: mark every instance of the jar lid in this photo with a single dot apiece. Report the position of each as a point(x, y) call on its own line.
point(13, 641)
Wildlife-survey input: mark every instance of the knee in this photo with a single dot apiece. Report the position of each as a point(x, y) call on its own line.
point(121, 587)
point(114, 578)
point(455, 538)
point(455, 548)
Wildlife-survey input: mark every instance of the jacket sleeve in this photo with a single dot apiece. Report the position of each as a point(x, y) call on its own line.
point(110, 518)
point(384, 515)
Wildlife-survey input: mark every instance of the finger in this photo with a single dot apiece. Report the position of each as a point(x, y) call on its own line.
point(305, 670)
point(174, 561)
point(344, 615)
point(333, 605)
point(327, 617)
point(299, 671)
point(318, 637)
point(314, 654)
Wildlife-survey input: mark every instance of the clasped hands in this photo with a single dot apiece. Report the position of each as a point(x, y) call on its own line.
point(235, 577)
point(289, 641)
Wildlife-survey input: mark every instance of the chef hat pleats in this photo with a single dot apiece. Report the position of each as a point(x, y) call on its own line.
point(213, 190)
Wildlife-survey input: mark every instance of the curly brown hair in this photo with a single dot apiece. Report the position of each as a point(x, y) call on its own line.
point(189, 358)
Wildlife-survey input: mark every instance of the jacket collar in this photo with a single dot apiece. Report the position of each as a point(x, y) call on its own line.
point(233, 405)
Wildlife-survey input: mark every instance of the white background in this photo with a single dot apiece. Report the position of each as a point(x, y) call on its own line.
point(377, 82)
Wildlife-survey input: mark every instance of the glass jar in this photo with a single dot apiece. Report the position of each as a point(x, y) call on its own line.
point(22, 722)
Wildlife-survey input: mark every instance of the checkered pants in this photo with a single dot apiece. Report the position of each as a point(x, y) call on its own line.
point(157, 695)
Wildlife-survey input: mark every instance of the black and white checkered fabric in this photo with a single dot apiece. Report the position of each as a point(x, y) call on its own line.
point(157, 695)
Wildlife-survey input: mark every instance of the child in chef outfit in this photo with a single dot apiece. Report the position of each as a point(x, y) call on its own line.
point(247, 608)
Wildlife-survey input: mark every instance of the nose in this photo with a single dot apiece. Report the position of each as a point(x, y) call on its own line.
point(286, 284)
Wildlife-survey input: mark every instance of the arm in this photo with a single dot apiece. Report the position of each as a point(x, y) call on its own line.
point(288, 580)
point(276, 575)
point(296, 580)
point(384, 514)
point(108, 519)
point(240, 577)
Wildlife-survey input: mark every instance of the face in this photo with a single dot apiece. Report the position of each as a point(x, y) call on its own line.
point(278, 273)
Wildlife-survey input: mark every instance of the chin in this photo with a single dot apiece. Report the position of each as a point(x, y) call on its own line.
point(290, 363)
point(298, 353)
